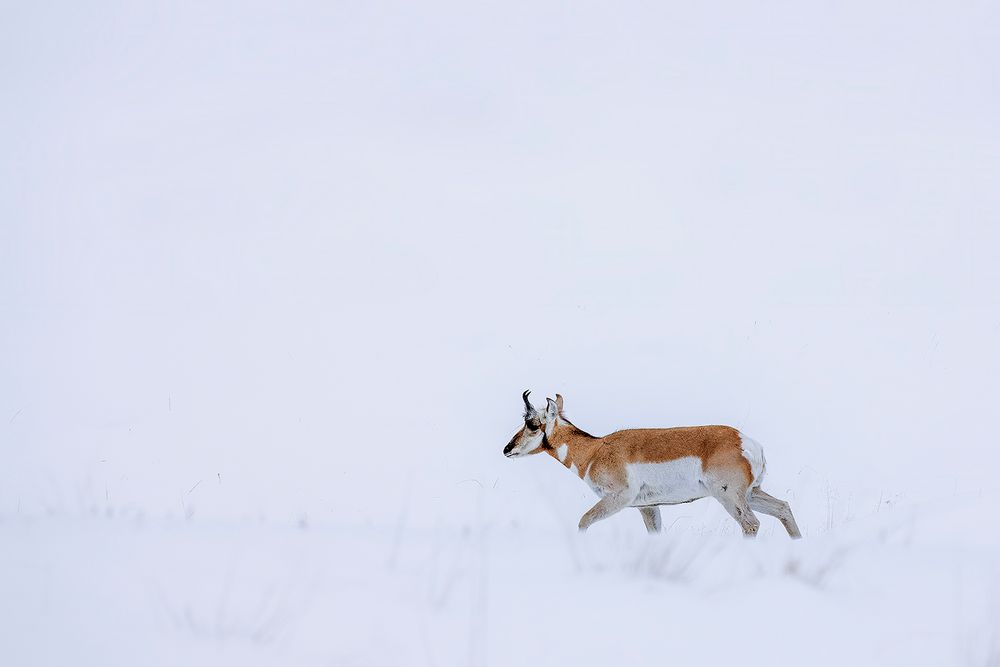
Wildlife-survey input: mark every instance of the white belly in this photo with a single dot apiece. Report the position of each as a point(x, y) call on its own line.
point(667, 483)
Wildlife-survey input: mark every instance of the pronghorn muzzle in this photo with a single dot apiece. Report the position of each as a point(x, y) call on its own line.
point(510, 446)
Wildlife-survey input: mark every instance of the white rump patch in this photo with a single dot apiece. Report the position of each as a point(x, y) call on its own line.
point(561, 451)
point(754, 454)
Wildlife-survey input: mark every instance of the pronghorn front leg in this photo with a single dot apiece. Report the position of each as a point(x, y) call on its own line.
point(651, 517)
point(606, 506)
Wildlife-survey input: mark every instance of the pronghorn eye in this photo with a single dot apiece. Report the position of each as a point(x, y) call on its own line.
point(534, 424)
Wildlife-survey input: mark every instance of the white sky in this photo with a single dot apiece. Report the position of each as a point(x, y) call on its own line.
point(309, 255)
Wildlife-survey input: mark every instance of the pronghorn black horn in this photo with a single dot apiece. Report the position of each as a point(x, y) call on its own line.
point(528, 408)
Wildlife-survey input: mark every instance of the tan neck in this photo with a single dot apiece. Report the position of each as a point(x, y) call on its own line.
point(579, 447)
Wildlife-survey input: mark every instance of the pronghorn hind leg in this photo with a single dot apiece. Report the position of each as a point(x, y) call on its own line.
point(765, 503)
point(606, 506)
point(733, 496)
point(739, 509)
point(651, 517)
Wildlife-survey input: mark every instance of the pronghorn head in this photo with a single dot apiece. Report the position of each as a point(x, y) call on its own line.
point(532, 438)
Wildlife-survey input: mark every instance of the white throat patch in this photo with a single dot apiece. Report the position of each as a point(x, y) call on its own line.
point(561, 451)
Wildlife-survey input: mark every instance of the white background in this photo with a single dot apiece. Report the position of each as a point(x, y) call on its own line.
point(288, 267)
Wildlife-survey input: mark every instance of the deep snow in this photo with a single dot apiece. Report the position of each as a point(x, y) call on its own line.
point(897, 583)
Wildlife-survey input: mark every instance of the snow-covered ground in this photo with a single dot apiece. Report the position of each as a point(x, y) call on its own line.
point(884, 583)
point(273, 277)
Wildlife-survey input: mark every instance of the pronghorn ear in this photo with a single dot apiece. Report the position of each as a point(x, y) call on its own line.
point(551, 409)
point(559, 403)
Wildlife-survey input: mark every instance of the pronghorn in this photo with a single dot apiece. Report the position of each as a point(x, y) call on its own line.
point(648, 467)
